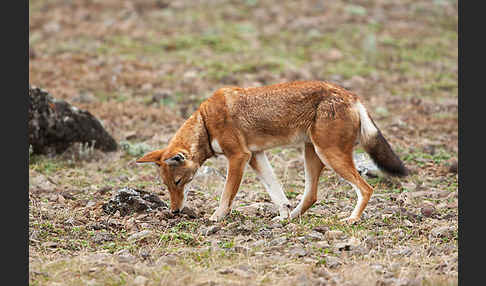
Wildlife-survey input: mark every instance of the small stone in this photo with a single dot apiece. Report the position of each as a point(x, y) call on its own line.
point(354, 242)
point(322, 244)
point(258, 243)
point(302, 280)
point(402, 252)
point(50, 244)
point(302, 239)
point(453, 205)
point(315, 235)
point(243, 271)
point(321, 229)
point(140, 235)
point(342, 246)
point(225, 271)
point(332, 261)
point(322, 272)
point(140, 280)
point(61, 199)
point(334, 234)
point(407, 223)
point(90, 204)
point(277, 241)
point(378, 268)
point(395, 267)
point(144, 253)
point(371, 242)
point(444, 231)
point(102, 237)
point(124, 256)
point(212, 230)
point(275, 225)
point(241, 249)
point(298, 251)
point(167, 260)
point(427, 211)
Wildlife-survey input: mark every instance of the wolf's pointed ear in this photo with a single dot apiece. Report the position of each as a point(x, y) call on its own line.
point(152, 157)
point(175, 160)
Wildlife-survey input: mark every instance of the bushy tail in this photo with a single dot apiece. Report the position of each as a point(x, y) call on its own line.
point(377, 147)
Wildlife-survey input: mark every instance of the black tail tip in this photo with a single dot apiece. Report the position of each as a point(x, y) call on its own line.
point(399, 171)
point(387, 161)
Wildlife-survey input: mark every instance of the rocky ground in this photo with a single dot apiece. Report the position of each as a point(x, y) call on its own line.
point(141, 67)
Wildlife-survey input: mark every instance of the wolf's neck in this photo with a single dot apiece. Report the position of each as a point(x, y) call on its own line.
point(193, 136)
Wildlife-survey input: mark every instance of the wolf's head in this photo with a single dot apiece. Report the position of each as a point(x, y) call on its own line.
point(176, 170)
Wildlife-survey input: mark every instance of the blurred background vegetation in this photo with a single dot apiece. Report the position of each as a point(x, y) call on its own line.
point(177, 53)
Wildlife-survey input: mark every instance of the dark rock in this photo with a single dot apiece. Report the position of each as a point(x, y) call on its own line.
point(128, 201)
point(54, 125)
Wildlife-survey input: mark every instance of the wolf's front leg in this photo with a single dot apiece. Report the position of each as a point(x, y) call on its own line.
point(236, 166)
point(264, 171)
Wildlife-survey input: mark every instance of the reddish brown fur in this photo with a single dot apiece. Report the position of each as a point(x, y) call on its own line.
point(244, 121)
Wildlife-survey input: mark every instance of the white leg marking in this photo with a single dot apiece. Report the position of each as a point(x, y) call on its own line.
point(216, 148)
point(359, 202)
point(267, 177)
point(307, 192)
point(307, 189)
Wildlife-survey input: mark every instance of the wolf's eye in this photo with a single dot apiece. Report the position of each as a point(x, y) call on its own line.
point(178, 181)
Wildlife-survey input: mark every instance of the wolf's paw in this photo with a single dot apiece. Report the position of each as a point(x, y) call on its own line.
point(284, 211)
point(279, 218)
point(350, 220)
point(218, 216)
